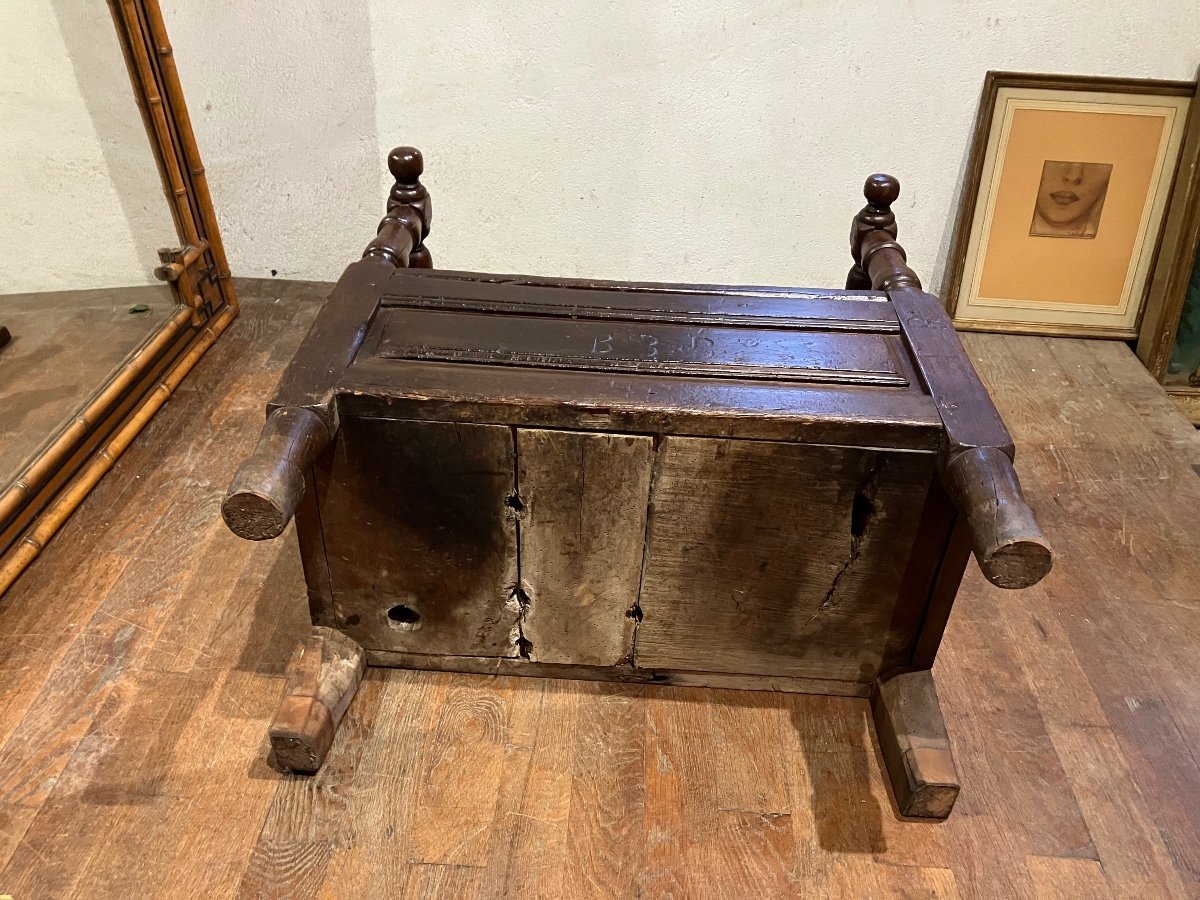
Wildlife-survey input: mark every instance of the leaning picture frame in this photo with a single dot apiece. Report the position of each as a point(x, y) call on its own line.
point(1063, 202)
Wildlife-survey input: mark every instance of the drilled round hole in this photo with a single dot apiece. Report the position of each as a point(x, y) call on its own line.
point(402, 616)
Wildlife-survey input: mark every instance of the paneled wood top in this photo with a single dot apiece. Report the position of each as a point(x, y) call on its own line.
point(756, 362)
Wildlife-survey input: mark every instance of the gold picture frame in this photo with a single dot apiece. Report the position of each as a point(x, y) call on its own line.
point(1173, 271)
point(1064, 199)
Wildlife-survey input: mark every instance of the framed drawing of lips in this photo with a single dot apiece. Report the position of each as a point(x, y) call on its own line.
point(1066, 188)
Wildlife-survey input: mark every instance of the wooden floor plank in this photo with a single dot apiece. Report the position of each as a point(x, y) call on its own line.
point(143, 655)
point(1055, 878)
point(455, 810)
point(1131, 849)
point(679, 791)
point(604, 853)
point(747, 780)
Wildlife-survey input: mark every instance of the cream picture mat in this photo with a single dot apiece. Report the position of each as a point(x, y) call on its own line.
point(1094, 283)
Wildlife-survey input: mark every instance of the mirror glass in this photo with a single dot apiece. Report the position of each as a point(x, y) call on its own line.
point(84, 216)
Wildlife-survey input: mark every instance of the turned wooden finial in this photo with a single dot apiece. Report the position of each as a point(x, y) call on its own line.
point(880, 191)
point(401, 236)
point(879, 261)
point(407, 165)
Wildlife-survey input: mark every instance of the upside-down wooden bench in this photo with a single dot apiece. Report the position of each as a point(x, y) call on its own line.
point(752, 487)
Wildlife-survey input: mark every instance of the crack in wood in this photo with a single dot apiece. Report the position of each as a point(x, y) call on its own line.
point(518, 595)
point(862, 513)
point(523, 601)
point(635, 611)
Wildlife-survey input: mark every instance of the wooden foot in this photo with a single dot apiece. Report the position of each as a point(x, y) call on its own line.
point(916, 749)
point(322, 677)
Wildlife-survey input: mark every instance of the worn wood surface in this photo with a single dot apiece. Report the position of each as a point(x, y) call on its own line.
point(913, 740)
point(140, 678)
point(976, 450)
point(1007, 540)
point(419, 536)
point(322, 677)
point(758, 560)
point(781, 559)
point(582, 521)
point(268, 487)
point(771, 363)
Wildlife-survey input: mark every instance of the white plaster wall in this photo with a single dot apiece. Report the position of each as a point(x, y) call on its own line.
point(703, 140)
point(81, 202)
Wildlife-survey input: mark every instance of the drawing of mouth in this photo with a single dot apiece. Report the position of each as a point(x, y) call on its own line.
point(1064, 198)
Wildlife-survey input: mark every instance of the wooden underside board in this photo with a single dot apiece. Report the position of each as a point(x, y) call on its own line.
point(781, 559)
point(582, 523)
point(566, 548)
point(420, 542)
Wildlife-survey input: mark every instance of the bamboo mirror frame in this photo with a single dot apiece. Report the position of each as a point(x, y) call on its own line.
point(40, 498)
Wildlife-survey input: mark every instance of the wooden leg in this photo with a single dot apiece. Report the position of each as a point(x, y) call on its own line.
point(916, 749)
point(322, 677)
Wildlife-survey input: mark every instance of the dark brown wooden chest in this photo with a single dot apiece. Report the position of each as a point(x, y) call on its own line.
point(758, 487)
point(674, 481)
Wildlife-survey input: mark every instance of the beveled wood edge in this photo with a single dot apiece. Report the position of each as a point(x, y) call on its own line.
point(310, 379)
point(949, 375)
point(782, 375)
point(1167, 284)
point(359, 398)
point(653, 287)
point(969, 191)
point(158, 94)
point(531, 308)
point(503, 665)
point(1111, 84)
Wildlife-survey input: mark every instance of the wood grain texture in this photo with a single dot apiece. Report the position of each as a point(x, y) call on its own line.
point(815, 367)
point(420, 541)
point(582, 522)
point(508, 665)
point(321, 681)
point(268, 486)
point(140, 679)
point(769, 558)
point(1006, 538)
point(914, 743)
point(612, 346)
